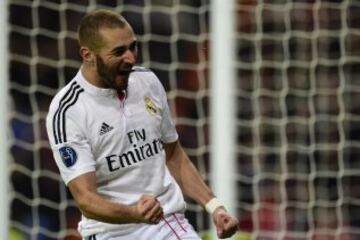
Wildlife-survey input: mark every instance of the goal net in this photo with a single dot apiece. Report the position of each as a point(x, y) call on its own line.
point(297, 111)
point(298, 65)
point(44, 57)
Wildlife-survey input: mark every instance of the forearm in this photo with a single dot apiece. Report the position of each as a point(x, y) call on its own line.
point(188, 177)
point(191, 183)
point(96, 207)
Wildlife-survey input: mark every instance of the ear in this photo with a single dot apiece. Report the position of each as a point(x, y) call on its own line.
point(87, 55)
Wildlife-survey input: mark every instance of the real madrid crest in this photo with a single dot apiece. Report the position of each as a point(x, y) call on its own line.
point(150, 106)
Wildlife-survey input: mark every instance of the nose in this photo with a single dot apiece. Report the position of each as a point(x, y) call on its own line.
point(130, 56)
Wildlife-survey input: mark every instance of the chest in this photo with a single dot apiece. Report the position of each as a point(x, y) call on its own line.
point(116, 126)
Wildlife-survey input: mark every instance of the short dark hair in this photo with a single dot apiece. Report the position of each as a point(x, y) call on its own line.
point(90, 25)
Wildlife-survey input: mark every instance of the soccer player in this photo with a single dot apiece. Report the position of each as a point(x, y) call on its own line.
point(117, 148)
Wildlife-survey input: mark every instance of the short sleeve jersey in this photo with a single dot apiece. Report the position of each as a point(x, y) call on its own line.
point(92, 129)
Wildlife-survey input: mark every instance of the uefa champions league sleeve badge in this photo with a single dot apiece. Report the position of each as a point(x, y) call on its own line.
point(68, 156)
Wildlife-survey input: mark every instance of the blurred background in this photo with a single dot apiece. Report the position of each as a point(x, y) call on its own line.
point(297, 109)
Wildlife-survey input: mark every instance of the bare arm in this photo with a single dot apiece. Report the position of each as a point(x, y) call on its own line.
point(186, 175)
point(94, 206)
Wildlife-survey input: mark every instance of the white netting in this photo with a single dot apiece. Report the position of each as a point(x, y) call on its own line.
point(298, 119)
point(298, 108)
point(44, 57)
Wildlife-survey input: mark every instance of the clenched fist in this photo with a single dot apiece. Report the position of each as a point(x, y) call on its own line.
point(226, 225)
point(149, 209)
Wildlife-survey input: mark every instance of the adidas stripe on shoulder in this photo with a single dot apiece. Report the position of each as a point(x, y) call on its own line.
point(59, 121)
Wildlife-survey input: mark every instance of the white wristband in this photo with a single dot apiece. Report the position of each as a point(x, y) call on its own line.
point(212, 205)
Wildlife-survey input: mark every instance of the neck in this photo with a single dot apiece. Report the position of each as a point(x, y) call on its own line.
point(91, 75)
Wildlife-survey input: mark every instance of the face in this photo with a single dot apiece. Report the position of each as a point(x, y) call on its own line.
point(116, 59)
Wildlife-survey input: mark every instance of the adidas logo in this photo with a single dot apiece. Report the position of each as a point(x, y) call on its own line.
point(105, 128)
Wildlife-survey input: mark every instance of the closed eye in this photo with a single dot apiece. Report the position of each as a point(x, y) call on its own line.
point(119, 51)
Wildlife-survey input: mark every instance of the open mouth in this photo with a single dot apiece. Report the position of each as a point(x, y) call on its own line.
point(125, 71)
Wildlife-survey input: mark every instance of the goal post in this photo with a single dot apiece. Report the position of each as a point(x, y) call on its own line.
point(222, 101)
point(4, 101)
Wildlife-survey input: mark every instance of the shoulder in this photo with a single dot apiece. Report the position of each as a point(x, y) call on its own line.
point(65, 112)
point(139, 69)
point(144, 74)
point(146, 77)
point(68, 97)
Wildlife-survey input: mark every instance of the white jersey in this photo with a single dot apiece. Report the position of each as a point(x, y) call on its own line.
point(91, 130)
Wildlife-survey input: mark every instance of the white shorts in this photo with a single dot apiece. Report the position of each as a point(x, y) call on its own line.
point(172, 227)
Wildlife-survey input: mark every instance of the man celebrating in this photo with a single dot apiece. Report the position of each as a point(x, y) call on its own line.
point(117, 148)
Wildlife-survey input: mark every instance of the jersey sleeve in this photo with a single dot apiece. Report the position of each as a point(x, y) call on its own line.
point(167, 127)
point(70, 147)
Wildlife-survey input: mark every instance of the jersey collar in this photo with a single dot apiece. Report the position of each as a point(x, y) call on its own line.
point(92, 89)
